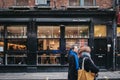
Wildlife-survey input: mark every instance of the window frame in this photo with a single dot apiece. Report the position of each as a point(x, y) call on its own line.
point(47, 3)
point(82, 3)
point(18, 3)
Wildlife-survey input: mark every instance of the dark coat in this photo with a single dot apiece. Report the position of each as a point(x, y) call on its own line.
point(72, 72)
point(88, 65)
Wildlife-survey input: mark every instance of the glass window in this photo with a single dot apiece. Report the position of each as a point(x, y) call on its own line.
point(74, 3)
point(82, 2)
point(48, 39)
point(79, 42)
point(52, 53)
point(17, 59)
point(16, 44)
point(1, 44)
point(1, 31)
point(100, 31)
point(42, 2)
point(77, 32)
point(48, 44)
point(48, 32)
point(118, 31)
point(21, 2)
point(1, 51)
point(17, 32)
point(88, 2)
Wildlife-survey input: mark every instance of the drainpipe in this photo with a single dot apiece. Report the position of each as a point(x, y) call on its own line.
point(114, 41)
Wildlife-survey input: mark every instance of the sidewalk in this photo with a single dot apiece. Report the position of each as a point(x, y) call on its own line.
point(54, 76)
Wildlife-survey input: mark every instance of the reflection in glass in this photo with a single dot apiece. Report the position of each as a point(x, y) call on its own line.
point(78, 42)
point(17, 59)
point(19, 44)
point(100, 31)
point(17, 32)
point(1, 31)
point(48, 44)
point(48, 32)
point(77, 32)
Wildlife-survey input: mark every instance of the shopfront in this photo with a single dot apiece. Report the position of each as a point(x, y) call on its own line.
point(44, 39)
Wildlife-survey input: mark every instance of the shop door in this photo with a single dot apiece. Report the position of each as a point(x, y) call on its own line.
point(100, 52)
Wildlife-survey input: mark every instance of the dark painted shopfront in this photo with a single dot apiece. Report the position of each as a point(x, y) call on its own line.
point(38, 39)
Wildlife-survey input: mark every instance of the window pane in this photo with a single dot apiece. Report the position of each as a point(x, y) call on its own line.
point(88, 2)
point(48, 58)
point(1, 44)
point(118, 31)
point(100, 31)
point(48, 44)
point(17, 32)
point(17, 59)
point(16, 44)
point(1, 31)
point(22, 2)
point(74, 3)
point(1, 51)
point(77, 32)
point(48, 32)
point(79, 42)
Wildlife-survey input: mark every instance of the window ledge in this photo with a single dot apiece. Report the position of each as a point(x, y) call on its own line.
point(83, 7)
point(20, 7)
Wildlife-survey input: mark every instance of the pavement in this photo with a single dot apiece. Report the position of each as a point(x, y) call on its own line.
point(108, 75)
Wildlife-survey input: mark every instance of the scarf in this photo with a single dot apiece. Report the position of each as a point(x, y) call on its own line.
point(76, 58)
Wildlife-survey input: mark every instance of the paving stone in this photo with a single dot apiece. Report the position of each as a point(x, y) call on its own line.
point(114, 75)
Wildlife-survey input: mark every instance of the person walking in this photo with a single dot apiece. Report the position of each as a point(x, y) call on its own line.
point(73, 63)
point(88, 62)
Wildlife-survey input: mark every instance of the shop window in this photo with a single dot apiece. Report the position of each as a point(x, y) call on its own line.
point(19, 59)
point(1, 31)
point(76, 35)
point(1, 44)
point(1, 51)
point(16, 44)
point(118, 31)
point(48, 32)
point(17, 32)
point(78, 42)
point(52, 54)
point(100, 31)
point(82, 2)
point(48, 42)
point(21, 2)
point(77, 32)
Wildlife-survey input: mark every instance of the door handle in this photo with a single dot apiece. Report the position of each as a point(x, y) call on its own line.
point(108, 47)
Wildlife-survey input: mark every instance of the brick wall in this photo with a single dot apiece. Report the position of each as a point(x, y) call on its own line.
point(6, 3)
point(59, 3)
point(104, 3)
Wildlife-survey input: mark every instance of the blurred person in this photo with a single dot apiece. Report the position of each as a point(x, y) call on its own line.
point(88, 62)
point(73, 63)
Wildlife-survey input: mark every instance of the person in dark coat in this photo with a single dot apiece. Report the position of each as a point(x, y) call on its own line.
point(88, 62)
point(73, 63)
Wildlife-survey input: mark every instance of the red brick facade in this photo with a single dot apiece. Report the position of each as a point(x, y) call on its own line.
point(104, 3)
point(59, 3)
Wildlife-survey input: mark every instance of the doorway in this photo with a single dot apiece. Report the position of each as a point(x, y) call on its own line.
point(103, 52)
